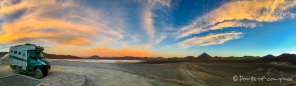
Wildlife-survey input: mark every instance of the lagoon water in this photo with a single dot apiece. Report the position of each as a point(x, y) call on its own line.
point(101, 61)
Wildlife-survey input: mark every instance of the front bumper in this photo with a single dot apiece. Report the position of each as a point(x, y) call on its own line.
point(45, 67)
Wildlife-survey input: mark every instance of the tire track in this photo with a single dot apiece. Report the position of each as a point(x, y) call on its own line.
point(192, 76)
point(191, 65)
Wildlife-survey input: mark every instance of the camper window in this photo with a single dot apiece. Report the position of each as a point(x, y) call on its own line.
point(11, 51)
point(15, 52)
point(19, 53)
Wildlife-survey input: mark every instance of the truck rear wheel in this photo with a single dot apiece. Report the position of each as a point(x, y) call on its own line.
point(38, 73)
point(16, 70)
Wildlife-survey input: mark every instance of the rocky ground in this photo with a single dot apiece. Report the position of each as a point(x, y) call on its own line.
point(107, 74)
point(239, 73)
point(200, 73)
point(9, 78)
point(14, 79)
point(63, 79)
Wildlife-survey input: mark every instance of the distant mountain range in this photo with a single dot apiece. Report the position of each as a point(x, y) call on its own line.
point(54, 56)
point(284, 56)
point(2, 54)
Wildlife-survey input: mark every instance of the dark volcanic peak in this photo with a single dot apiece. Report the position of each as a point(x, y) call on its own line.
point(204, 56)
point(269, 56)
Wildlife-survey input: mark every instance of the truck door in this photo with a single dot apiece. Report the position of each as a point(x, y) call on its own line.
point(32, 60)
point(24, 56)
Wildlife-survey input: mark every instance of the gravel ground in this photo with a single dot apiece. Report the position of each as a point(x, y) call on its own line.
point(53, 78)
point(222, 73)
point(17, 80)
point(108, 77)
point(169, 73)
point(5, 70)
point(202, 73)
point(63, 79)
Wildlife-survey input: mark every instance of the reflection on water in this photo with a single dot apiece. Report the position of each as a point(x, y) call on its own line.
point(103, 61)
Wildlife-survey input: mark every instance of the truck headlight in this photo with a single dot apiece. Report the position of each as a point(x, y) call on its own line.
point(43, 63)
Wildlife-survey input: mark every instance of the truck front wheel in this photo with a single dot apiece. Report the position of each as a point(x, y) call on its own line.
point(38, 73)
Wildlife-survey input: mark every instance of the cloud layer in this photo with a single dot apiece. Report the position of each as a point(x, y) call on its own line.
point(154, 35)
point(74, 25)
point(245, 13)
point(60, 24)
point(211, 39)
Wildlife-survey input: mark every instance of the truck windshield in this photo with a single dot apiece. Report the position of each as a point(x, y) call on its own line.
point(39, 55)
point(36, 54)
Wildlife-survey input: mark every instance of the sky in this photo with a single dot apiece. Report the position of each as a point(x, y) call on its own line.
point(151, 28)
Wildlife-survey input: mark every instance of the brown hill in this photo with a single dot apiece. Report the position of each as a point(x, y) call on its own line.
point(54, 56)
point(94, 57)
point(2, 54)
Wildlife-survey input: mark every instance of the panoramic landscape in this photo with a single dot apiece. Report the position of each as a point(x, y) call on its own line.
point(203, 70)
point(147, 42)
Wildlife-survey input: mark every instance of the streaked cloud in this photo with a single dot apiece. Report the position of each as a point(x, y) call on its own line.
point(148, 22)
point(233, 24)
point(8, 6)
point(211, 39)
point(242, 13)
point(148, 16)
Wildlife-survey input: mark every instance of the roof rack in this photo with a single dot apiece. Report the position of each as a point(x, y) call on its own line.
point(24, 45)
point(30, 44)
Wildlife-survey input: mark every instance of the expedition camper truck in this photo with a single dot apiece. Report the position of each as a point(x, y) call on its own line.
point(28, 58)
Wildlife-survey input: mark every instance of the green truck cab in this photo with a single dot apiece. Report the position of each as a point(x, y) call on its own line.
point(29, 58)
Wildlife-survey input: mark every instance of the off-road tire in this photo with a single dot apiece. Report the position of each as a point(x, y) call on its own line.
point(38, 73)
point(17, 70)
